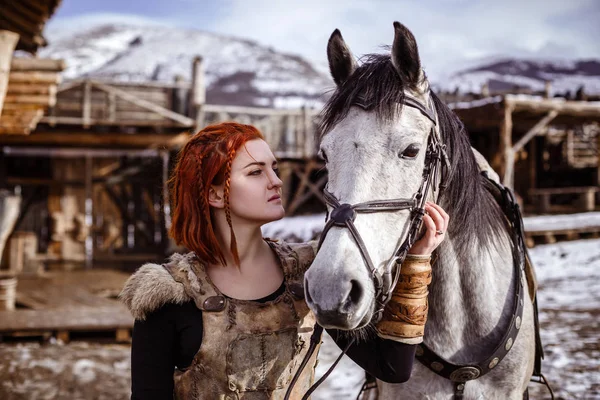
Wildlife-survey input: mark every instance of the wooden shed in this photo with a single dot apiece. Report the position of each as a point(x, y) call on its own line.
point(546, 149)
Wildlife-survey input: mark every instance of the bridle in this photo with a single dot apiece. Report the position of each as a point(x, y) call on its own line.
point(343, 214)
point(437, 168)
point(435, 176)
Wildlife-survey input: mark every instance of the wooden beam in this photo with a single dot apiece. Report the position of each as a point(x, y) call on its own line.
point(8, 41)
point(165, 190)
point(35, 77)
point(537, 128)
point(94, 139)
point(42, 100)
point(198, 97)
point(52, 121)
point(258, 111)
point(505, 149)
point(87, 104)
point(37, 64)
point(24, 88)
point(145, 104)
point(567, 107)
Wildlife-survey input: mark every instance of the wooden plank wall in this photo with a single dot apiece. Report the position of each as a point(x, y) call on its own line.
point(32, 86)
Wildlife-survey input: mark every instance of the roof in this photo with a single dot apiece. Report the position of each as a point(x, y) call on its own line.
point(27, 18)
point(488, 113)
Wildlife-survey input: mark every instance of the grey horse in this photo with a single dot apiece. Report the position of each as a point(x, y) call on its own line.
point(375, 149)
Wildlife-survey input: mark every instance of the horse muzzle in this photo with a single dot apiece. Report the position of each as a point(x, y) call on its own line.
point(341, 305)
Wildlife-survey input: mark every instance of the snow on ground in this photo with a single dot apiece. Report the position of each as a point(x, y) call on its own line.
point(569, 297)
point(565, 221)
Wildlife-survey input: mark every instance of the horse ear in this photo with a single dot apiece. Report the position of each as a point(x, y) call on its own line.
point(405, 55)
point(341, 60)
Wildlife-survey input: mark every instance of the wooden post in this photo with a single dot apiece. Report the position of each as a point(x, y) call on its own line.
point(112, 106)
point(87, 104)
point(485, 90)
point(165, 187)
point(598, 158)
point(198, 98)
point(89, 216)
point(547, 89)
point(8, 42)
point(507, 155)
point(532, 164)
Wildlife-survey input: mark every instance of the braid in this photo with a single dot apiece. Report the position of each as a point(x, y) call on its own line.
point(202, 189)
point(233, 246)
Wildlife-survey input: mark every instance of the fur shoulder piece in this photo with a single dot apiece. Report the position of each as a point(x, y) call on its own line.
point(151, 287)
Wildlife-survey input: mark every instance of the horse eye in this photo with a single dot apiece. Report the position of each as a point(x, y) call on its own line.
point(410, 152)
point(323, 155)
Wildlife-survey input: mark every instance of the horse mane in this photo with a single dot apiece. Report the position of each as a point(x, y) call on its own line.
point(376, 84)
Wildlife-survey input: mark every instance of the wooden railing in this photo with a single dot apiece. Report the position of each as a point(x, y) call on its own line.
point(87, 103)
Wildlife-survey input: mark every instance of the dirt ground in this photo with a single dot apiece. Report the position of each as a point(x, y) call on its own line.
point(569, 276)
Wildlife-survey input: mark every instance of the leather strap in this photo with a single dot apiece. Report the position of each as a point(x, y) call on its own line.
point(461, 373)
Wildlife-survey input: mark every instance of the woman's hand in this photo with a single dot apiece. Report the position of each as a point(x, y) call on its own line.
point(435, 223)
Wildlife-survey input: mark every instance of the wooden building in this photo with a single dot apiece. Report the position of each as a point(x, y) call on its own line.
point(95, 166)
point(546, 149)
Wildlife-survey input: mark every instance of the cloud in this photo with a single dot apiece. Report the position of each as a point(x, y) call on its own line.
point(449, 32)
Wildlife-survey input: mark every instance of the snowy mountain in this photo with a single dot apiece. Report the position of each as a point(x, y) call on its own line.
point(508, 74)
point(244, 72)
point(238, 71)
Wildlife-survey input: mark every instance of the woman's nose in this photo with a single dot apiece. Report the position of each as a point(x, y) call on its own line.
point(274, 180)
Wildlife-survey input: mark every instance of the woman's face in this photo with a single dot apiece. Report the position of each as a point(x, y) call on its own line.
point(255, 188)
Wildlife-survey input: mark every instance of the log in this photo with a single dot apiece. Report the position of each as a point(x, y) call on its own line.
point(37, 64)
point(24, 88)
point(87, 104)
point(8, 41)
point(42, 100)
point(141, 115)
point(35, 77)
point(507, 155)
point(543, 123)
point(20, 130)
point(24, 118)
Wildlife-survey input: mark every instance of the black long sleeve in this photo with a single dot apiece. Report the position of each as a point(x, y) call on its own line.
point(169, 337)
point(386, 360)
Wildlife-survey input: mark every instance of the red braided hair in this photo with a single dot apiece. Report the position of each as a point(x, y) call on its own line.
point(205, 160)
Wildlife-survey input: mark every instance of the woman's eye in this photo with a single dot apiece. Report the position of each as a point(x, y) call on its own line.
point(256, 172)
point(410, 152)
point(276, 170)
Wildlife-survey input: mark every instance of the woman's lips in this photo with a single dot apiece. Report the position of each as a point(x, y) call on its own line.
point(275, 197)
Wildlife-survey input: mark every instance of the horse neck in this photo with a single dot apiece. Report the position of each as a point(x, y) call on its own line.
point(470, 296)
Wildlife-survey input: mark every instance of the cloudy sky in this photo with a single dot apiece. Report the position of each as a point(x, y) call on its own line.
point(450, 33)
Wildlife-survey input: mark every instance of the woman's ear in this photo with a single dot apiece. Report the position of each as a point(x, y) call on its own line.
point(216, 197)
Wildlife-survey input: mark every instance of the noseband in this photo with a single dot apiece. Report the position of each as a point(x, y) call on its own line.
point(343, 214)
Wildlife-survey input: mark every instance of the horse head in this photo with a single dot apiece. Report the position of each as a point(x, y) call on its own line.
point(376, 141)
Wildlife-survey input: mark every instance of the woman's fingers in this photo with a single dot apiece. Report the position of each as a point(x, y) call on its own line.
point(436, 216)
point(443, 214)
point(427, 243)
point(435, 221)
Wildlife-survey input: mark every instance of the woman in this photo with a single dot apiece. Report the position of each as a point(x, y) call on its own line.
point(229, 320)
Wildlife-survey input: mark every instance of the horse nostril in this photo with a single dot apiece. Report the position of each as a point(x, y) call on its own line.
point(355, 295)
